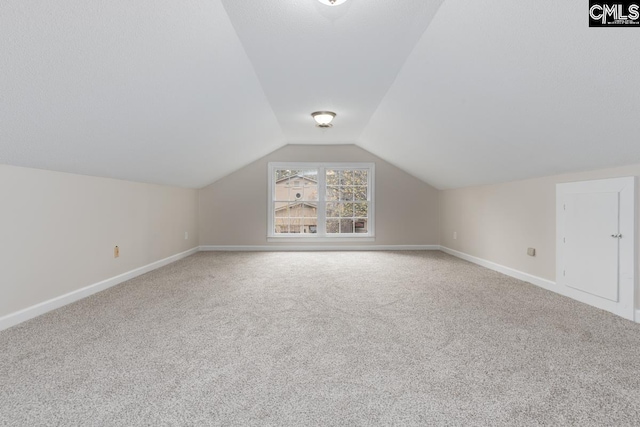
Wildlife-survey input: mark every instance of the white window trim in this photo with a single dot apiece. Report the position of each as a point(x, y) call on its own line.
point(321, 236)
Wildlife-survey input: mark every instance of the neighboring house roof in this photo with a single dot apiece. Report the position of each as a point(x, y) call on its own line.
point(308, 204)
point(296, 176)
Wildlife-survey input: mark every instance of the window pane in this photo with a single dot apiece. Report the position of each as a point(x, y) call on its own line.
point(311, 175)
point(301, 192)
point(278, 206)
point(282, 225)
point(360, 177)
point(333, 226)
point(346, 193)
point(333, 193)
point(282, 210)
point(347, 210)
point(359, 193)
point(310, 225)
point(292, 185)
point(306, 225)
point(310, 210)
point(282, 174)
point(333, 177)
point(333, 210)
point(285, 174)
point(296, 209)
point(346, 178)
point(346, 226)
point(295, 225)
point(361, 210)
point(360, 225)
point(310, 192)
point(283, 190)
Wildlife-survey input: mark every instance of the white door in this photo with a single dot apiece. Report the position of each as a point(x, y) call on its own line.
point(591, 250)
point(595, 227)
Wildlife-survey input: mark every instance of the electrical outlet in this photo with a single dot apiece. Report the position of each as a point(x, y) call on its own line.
point(455, 235)
point(116, 252)
point(186, 235)
point(531, 252)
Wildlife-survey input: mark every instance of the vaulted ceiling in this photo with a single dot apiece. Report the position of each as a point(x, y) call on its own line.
point(456, 92)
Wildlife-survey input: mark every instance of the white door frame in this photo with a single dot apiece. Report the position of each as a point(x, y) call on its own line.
point(627, 282)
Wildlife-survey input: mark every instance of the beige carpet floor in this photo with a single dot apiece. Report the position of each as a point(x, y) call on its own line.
point(322, 339)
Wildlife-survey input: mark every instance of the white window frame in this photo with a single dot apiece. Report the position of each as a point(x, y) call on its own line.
point(321, 234)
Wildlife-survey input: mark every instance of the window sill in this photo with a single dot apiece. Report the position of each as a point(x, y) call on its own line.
point(305, 239)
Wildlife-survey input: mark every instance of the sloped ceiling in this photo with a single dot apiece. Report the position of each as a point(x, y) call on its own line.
point(309, 57)
point(503, 90)
point(149, 90)
point(456, 93)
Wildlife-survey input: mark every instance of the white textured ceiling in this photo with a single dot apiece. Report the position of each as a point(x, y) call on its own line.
point(504, 90)
point(149, 90)
point(457, 93)
point(310, 57)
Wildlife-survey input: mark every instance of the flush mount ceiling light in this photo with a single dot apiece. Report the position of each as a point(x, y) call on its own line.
point(323, 118)
point(332, 2)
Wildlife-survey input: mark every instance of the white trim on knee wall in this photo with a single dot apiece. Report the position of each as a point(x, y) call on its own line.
point(28, 313)
point(517, 274)
point(294, 248)
point(36, 310)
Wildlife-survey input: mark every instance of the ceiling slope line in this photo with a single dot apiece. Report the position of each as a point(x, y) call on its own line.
point(158, 93)
point(310, 57)
point(255, 73)
point(384, 96)
point(490, 96)
point(395, 165)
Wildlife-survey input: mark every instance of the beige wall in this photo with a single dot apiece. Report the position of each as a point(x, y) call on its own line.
point(58, 231)
point(233, 210)
point(499, 222)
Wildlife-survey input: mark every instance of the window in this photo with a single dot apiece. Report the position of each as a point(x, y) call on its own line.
point(321, 200)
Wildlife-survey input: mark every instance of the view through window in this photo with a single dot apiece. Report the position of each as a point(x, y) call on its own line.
point(296, 201)
point(321, 200)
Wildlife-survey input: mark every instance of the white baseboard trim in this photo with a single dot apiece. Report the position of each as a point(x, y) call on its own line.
point(54, 303)
point(292, 248)
point(23, 315)
point(526, 277)
point(520, 275)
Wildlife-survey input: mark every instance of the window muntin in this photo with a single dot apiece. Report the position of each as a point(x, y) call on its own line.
point(321, 200)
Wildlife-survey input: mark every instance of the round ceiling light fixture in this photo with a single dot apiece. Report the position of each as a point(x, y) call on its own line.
point(323, 118)
point(332, 2)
